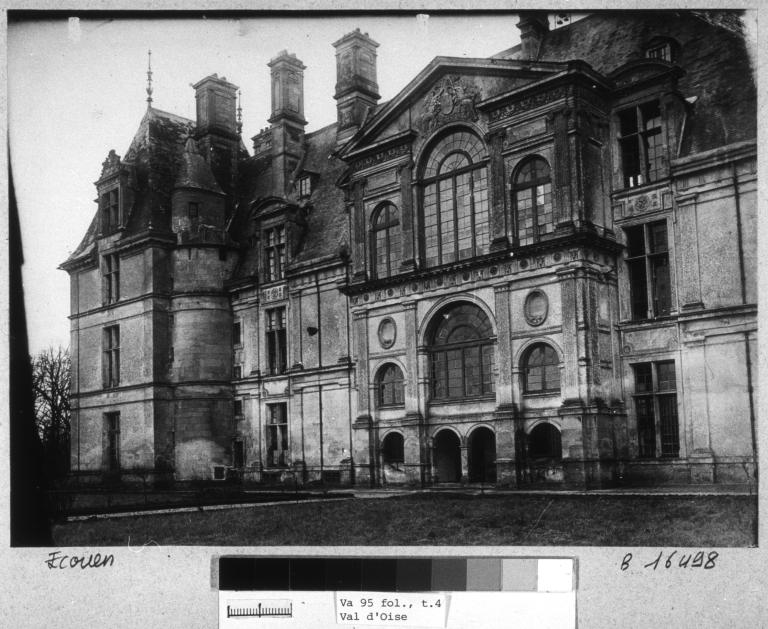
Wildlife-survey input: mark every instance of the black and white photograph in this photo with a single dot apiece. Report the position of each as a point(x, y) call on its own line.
point(410, 280)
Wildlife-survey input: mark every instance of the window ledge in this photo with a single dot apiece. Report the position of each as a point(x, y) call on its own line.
point(547, 393)
point(462, 400)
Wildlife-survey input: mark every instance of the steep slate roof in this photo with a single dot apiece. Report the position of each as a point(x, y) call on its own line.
point(194, 171)
point(153, 157)
point(327, 222)
point(711, 54)
point(156, 153)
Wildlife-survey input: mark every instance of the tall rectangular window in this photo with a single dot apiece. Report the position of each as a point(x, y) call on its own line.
point(237, 333)
point(277, 356)
point(111, 278)
point(641, 144)
point(277, 435)
point(112, 441)
point(648, 270)
point(656, 409)
point(274, 250)
point(111, 356)
point(305, 187)
point(110, 211)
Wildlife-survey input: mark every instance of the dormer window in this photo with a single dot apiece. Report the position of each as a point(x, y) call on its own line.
point(641, 144)
point(305, 186)
point(110, 210)
point(274, 251)
point(662, 52)
point(662, 49)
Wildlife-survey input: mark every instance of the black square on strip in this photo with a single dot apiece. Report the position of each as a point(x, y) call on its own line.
point(343, 574)
point(253, 573)
point(379, 575)
point(308, 574)
point(414, 575)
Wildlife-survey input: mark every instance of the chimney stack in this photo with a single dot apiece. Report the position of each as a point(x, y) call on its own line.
point(216, 130)
point(287, 119)
point(533, 26)
point(357, 91)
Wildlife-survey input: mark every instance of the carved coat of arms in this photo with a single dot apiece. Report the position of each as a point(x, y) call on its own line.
point(450, 99)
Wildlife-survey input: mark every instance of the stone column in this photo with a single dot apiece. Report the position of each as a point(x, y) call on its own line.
point(361, 233)
point(561, 169)
point(296, 336)
point(497, 193)
point(362, 439)
point(503, 358)
point(696, 411)
point(411, 358)
point(407, 217)
point(570, 374)
point(464, 462)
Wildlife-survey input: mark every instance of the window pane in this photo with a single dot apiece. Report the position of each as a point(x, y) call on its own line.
point(472, 382)
point(488, 363)
point(670, 439)
point(638, 289)
point(643, 378)
point(534, 379)
point(628, 121)
point(630, 161)
point(635, 241)
point(665, 375)
point(646, 426)
point(455, 376)
point(657, 237)
point(438, 375)
point(662, 296)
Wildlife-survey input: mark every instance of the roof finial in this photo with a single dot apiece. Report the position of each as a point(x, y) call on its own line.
point(149, 79)
point(239, 111)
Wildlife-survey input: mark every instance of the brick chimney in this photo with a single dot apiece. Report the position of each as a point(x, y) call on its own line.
point(357, 91)
point(287, 120)
point(533, 27)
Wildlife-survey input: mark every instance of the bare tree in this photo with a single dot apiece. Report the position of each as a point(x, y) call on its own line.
point(50, 384)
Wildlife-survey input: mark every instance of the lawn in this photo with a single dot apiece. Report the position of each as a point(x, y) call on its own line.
point(429, 519)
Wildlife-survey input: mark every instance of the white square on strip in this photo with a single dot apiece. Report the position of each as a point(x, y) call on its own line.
point(555, 575)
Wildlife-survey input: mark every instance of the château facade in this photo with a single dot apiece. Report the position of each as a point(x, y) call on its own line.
point(536, 269)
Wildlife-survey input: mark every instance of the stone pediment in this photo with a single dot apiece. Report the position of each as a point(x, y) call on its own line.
point(638, 71)
point(449, 90)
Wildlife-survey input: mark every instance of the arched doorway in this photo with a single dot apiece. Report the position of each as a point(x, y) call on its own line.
point(447, 457)
point(393, 459)
point(545, 454)
point(482, 455)
point(544, 442)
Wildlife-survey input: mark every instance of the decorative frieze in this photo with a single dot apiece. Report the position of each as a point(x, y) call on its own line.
point(379, 157)
point(526, 103)
point(274, 293)
point(467, 277)
point(643, 203)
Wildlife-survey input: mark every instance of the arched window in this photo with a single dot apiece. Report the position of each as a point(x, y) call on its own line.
point(541, 369)
point(389, 386)
point(455, 200)
point(544, 442)
point(532, 200)
point(385, 240)
point(461, 348)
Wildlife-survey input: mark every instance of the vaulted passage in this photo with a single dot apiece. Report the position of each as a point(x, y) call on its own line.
point(447, 457)
point(482, 456)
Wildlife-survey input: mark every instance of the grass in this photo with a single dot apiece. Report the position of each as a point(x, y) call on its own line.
point(426, 519)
